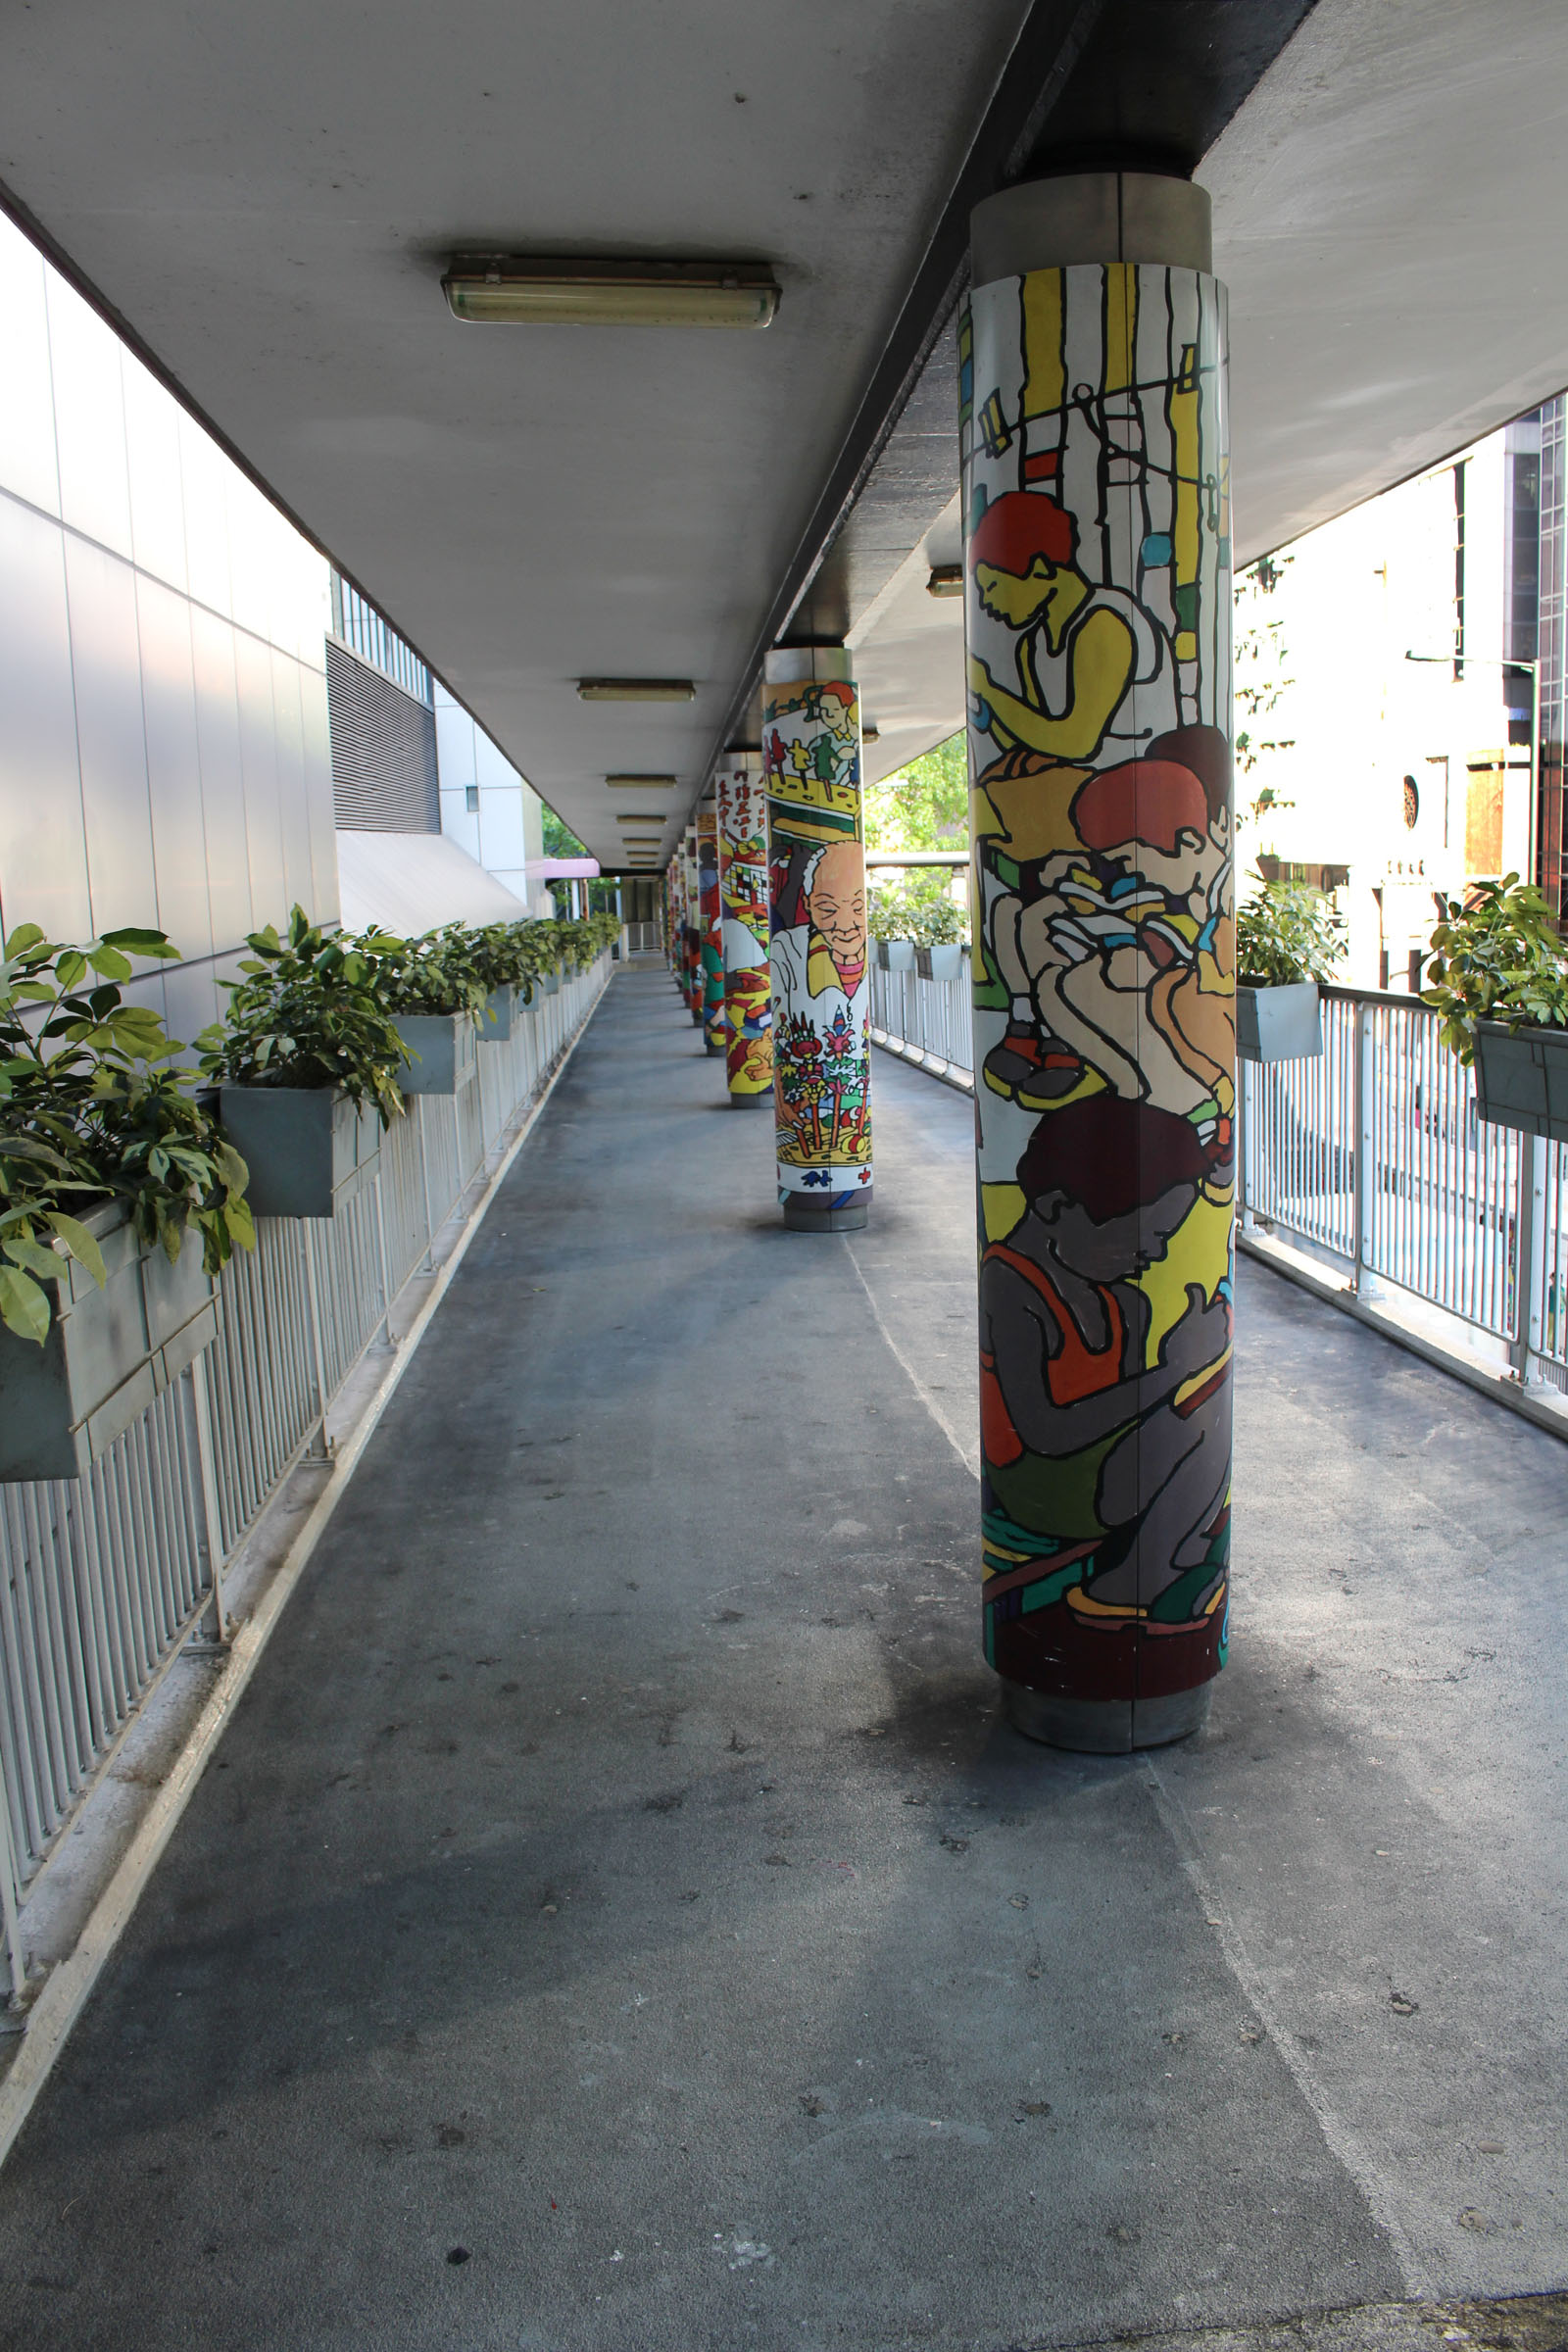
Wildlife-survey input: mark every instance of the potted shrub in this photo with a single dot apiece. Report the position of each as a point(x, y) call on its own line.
point(305, 1063)
point(436, 995)
point(939, 938)
point(1287, 946)
point(111, 1170)
point(1499, 979)
point(503, 963)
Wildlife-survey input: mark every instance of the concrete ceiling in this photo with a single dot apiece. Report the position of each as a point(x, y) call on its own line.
point(264, 198)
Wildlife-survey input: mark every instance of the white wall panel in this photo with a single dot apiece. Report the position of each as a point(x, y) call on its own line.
point(454, 742)
point(106, 666)
point(173, 767)
point(292, 807)
point(490, 766)
point(500, 827)
point(460, 822)
point(228, 880)
point(27, 403)
point(44, 863)
point(205, 472)
point(318, 805)
point(89, 419)
point(258, 738)
point(152, 458)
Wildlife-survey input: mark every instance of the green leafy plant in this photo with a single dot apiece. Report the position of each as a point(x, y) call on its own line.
point(921, 909)
point(1496, 955)
point(310, 1012)
point(92, 1109)
point(1285, 934)
point(439, 972)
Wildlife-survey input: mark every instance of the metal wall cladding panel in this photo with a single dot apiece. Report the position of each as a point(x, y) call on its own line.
point(384, 776)
point(89, 419)
point(258, 743)
point(191, 998)
point(325, 905)
point(204, 474)
point(228, 878)
point(152, 459)
point(490, 766)
point(252, 556)
point(27, 463)
point(454, 744)
point(500, 827)
point(173, 767)
point(292, 804)
point(460, 822)
point(106, 664)
point(44, 863)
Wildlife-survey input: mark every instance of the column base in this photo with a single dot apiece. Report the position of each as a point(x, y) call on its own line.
point(750, 1102)
point(716, 1052)
point(696, 1019)
point(803, 1215)
point(1106, 1727)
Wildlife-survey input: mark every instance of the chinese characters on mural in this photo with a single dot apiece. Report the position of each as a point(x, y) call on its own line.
point(1097, 622)
point(743, 895)
point(822, 1042)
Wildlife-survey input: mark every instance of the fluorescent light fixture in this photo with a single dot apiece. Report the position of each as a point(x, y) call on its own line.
point(626, 782)
point(636, 690)
point(517, 290)
point(946, 579)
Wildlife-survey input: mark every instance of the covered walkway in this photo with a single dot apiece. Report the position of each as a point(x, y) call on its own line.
point(617, 1917)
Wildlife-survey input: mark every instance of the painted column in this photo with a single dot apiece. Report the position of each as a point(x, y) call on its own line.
point(820, 991)
point(743, 906)
point(709, 928)
point(1097, 625)
point(693, 931)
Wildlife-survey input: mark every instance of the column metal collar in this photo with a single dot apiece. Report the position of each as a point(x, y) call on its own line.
point(1091, 217)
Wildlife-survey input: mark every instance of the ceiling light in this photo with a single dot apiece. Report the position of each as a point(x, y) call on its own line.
point(512, 290)
point(946, 579)
point(636, 690)
point(870, 734)
point(635, 783)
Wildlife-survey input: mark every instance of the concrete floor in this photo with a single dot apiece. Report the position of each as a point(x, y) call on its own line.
point(617, 1918)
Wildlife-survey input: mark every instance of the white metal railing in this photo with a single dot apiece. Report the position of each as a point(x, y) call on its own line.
point(1372, 1157)
point(927, 1021)
point(1375, 1157)
point(103, 1578)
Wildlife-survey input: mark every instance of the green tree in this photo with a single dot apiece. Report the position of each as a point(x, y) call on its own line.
point(559, 839)
point(924, 806)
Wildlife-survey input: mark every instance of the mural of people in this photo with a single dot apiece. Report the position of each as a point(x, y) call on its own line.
point(820, 997)
point(743, 896)
point(709, 928)
point(1097, 626)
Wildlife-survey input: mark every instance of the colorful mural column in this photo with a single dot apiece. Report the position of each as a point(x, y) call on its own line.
point(692, 934)
point(710, 927)
point(743, 905)
point(1097, 625)
point(820, 993)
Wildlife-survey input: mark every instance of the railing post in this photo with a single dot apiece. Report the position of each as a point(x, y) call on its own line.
point(380, 1243)
point(319, 1451)
point(211, 1517)
point(10, 1910)
point(1362, 1280)
point(1528, 1244)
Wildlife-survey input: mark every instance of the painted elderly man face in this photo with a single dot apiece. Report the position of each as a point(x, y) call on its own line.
point(836, 903)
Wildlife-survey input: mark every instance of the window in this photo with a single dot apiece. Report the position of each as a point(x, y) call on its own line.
point(472, 800)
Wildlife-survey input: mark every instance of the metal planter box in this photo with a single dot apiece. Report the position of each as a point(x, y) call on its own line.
point(1279, 1024)
point(1522, 1079)
point(942, 962)
point(896, 954)
point(108, 1352)
point(496, 1027)
point(446, 1044)
point(299, 1144)
point(551, 984)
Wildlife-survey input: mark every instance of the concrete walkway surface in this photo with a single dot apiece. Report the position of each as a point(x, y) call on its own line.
point(618, 1920)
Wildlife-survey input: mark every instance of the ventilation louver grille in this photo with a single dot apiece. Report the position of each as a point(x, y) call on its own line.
point(383, 751)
